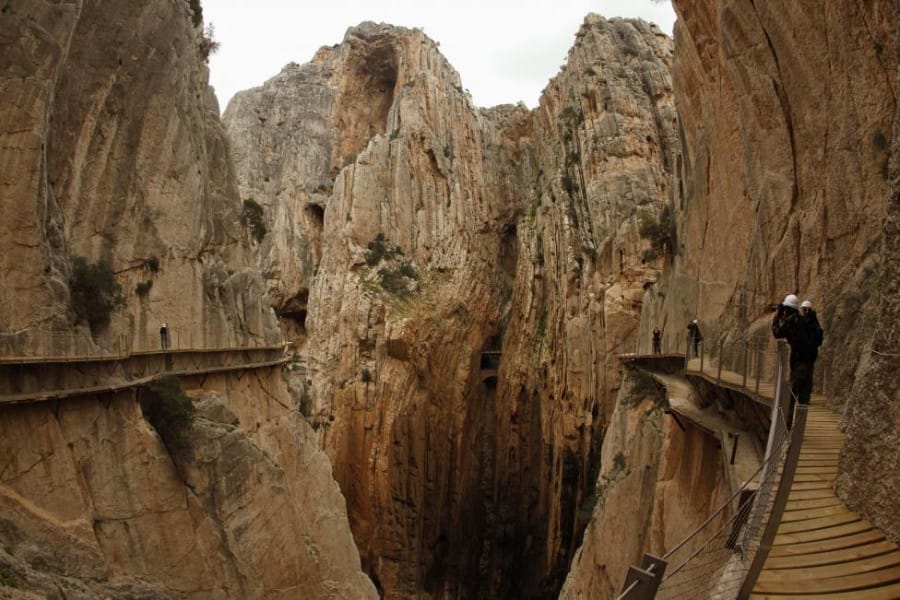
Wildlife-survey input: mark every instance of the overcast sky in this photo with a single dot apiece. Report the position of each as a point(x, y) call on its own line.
point(504, 50)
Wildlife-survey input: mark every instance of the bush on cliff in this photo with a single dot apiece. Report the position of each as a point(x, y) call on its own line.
point(660, 232)
point(168, 409)
point(94, 292)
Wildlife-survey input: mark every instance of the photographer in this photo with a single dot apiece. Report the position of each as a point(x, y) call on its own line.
point(790, 325)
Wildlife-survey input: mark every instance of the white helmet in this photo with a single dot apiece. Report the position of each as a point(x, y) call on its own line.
point(806, 304)
point(791, 300)
point(694, 321)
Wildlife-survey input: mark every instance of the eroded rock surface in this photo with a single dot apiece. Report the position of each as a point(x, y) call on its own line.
point(450, 234)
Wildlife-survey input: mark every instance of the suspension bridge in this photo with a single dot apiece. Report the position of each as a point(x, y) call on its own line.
point(783, 534)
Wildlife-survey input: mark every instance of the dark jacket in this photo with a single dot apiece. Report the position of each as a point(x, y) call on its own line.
point(815, 330)
point(790, 325)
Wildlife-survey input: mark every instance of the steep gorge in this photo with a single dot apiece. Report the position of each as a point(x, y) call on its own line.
point(111, 149)
point(473, 276)
point(786, 182)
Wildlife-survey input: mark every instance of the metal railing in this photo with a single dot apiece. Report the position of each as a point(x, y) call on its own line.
point(76, 346)
point(724, 555)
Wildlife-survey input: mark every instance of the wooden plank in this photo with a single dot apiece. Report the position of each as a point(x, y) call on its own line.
point(822, 534)
point(810, 494)
point(847, 541)
point(818, 522)
point(834, 556)
point(817, 484)
point(887, 592)
point(822, 585)
point(843, 569)
point(800, 515)
point(813, 503)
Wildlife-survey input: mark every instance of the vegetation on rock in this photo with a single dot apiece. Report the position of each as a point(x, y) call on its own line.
point(168, 409)
point(95, 293)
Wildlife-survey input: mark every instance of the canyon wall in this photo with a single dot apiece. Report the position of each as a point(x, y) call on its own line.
point(95, 504)
point(786, 183)
point(111, 149)
point(463, 280)
point(788, 116)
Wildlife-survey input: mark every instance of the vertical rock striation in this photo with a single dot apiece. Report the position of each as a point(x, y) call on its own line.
point(113, 150)
point(465, 289)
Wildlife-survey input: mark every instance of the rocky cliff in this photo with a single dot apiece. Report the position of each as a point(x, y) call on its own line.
point(94, 504)
point(111, 150)
point(786, 182)
point(463, 279)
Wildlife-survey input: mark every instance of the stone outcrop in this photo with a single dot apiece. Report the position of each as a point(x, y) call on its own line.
point(466, 278)
point(95, 505)
point(868, 477)
point(788, 119)
point(112, 150)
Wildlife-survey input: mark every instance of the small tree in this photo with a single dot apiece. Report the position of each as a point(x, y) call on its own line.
point(94, 292)
point(171, 413)
point(252, 218)
point(660, 232)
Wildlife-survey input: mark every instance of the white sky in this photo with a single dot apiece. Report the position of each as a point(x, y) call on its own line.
point(504, 50)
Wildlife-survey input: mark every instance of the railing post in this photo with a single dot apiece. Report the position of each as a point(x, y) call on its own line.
point(642, 583)
point(701, 353)
point(721, 356)
point(779, 394)
point(759, 358)
point(746, 362)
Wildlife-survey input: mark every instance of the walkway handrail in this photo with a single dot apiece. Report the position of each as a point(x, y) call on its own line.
point(731, 557)
point(73, 346)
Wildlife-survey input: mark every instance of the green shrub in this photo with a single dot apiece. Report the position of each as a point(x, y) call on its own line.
point(380, 249)
point(393, 281)
point(166, 407)
point(252, 218)
point(152, 264)
point(143, 287)
point(305, 404)
point(366, 376)
point(95, 293)
point(196, 12)
point(207, 43)
point(8, 578)
point(660, 232)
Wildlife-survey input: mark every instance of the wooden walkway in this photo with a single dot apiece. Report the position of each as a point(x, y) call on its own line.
point(822, 548)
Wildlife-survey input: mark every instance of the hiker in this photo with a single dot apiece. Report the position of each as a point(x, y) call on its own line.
point(657, 341)
point(812, 321)
point(694, 337)
point(164, 336)
point(804, 338)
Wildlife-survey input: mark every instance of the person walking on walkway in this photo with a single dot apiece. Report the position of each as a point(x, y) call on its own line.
point(694, 337)
point(657, 341)
point(812, 321)
point(164, 337)
point(804, 341)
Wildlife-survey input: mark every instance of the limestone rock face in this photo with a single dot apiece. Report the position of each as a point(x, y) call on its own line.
point(112, 150)
point(470, 280)
point(94, 505)
point(867, 477)
point(788, 119)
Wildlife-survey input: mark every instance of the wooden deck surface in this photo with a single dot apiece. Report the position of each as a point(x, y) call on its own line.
point(822, 548)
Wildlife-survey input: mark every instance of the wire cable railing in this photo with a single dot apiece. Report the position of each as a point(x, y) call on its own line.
point(75, 346)
point(722, 556)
